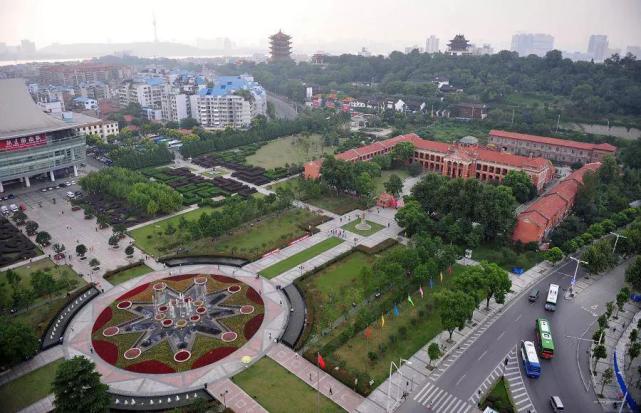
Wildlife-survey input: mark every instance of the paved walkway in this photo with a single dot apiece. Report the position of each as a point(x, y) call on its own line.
point(482, 319)
point(317, 378)
point(632, 373)
point(41, 359)
point(153, 221)
point(25, 262)
point(232, 396)
point(41, 406)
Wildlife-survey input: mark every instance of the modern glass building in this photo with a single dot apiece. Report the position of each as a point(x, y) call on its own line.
point(31, 142)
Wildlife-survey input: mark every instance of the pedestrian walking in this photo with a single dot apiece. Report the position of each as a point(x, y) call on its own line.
point(331, 392)
point(506, 361)
point(270, 336)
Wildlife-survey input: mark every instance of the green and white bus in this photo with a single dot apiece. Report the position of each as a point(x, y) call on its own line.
point(544, 340)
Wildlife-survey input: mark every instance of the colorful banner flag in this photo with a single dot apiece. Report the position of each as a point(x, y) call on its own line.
point(409, 300)
point(396, 312)
point(420, 290)
point(320, 361)
point(441, 277)
point(431, 285)
point(368, 332)
point(382, 321)
point(449, 269)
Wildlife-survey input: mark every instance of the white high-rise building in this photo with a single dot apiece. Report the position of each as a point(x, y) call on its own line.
point(431, 44)
point(147, 94)
point(176, 106)
point(634, 51)
point(598, 47)
point(538, 44)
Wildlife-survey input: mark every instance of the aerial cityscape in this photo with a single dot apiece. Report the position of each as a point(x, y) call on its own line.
point(292, 206)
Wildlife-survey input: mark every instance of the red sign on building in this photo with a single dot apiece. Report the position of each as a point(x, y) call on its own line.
point(24, 142)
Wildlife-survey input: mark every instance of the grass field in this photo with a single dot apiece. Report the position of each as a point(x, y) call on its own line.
point(412, 329)
point(338, 204)
point(380, 181)
point(299, 258)
point(28, 389)
point(450, 130)
point(498, 399)
point(292, 149)
point(278, 390)
point(506, 257)
point(374, 228)
point(25, 271)
point(129, 273)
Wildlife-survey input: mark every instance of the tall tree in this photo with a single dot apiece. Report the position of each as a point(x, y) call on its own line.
point(495, 282)
point(521, 185)
point(455, 308)
point(394, 185)
point(433, 352)
point(18, 342)
point(77, 387)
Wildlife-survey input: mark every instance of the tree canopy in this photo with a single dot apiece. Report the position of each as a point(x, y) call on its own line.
point(77, 387)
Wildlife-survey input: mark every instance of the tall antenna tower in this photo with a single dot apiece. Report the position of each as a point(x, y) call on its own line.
point(155, 31)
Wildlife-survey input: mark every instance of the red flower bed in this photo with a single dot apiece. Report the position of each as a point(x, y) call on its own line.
point(224, 279)
point(108, 351)
point(102, 319)
point(180, 277)
point(151, 367)
point(254, 296)
point(212, 356)
point(134, 292)
point(252, 326)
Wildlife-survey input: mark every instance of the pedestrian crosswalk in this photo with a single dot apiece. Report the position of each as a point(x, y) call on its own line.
point(438, 400)
point(510, 370)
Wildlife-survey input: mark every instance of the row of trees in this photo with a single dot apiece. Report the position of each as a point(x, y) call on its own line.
point(135, 188)
point(141, 156)
point(461, 211)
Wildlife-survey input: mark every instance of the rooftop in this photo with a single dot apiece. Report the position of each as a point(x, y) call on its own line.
point(553, 141)
point(19, 114)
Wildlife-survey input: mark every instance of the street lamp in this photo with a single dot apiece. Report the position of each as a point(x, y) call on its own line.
point(389, 383)
point(223, 394)
point(576, 269)
point(617, 240)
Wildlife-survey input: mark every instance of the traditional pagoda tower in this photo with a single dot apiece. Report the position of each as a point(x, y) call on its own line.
point(280, 47)
point(459, 46)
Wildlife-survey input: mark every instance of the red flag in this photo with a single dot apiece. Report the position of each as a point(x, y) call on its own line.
point(449, 269)
point(368, 332)
point(321, 362)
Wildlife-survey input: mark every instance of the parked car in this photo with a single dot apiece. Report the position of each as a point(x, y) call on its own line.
point(13, 208)
point(71, 195)
point(4, 210)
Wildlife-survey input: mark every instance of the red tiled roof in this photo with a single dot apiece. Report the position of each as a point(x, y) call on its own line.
point(552, 141)
point(505, 158)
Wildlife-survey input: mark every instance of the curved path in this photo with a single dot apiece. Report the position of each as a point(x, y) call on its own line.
point(78, 338)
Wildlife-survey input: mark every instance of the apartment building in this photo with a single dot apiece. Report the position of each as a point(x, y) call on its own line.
point(175, 106)
point(559, 150)
point(147, 94)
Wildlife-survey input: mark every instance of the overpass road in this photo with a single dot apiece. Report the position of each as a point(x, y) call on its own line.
point(564, 375)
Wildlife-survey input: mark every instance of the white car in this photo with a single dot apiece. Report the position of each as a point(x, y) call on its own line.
point(13, 208)
point(68, 183)
point(71, 195)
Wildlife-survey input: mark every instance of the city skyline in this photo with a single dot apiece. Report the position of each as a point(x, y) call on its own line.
point(331, 26)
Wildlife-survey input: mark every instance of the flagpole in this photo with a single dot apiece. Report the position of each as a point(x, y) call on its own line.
point(317, 385)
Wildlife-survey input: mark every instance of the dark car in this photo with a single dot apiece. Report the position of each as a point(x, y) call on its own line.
point(534, 295)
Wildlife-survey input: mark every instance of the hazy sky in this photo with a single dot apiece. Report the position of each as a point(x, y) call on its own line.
point(332, 25)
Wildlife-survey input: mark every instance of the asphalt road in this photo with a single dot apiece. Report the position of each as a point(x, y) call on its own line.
point(284, 110)
point(560, 376)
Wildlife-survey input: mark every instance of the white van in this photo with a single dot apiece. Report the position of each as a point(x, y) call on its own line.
point(13, 208)
point(4, 210)
point(71, 195)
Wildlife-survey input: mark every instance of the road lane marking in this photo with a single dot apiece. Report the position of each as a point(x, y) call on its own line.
point(481, 356)
point(500, 335)
point(459, 380)
point(519, 317)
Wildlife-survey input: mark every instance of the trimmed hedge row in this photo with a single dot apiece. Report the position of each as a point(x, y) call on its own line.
point(118, 270)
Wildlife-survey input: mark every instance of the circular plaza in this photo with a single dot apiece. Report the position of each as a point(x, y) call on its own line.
point(178, 329)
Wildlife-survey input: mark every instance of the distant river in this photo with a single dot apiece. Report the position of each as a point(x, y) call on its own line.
point(616, 131)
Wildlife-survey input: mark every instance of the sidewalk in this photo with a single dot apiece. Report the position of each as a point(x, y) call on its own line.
point(234, 397)
point(41, 359)
point(303, 369)
point(25, 262)
point(41, 406)
point(461, 340)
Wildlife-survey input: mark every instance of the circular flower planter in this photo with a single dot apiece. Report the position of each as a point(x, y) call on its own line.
point(160, 316)
point(182, 356)
point(199, 303)
point(200, 280)
point(110, 331)
point(181, 323)
point(167, 322)
point(201, 310)
point(159, 286)
point(132, 353)
point(228, 336)
point(163, 308)
point(123, 305)
point(247, 309)
point(233, 288)
point(194, 318)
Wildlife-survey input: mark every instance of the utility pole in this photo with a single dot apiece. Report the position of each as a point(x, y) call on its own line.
point(617, 240)
point(512, 121)
point(576, 269)
point(558, 121)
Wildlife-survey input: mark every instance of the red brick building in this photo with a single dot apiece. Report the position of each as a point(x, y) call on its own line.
point(453, 160)
point(560, 150)
point(536, 222)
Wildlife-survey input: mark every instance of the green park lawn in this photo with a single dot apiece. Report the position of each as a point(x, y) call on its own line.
point(128, 274)
point(380, 181)
point(412, 329)
point(28, 389)
point(374, 228)
point(301, 257)
point(498, 399)
point(293, 149)
point(506, 257)
point(278, 390)
point(449, 130)
point(338, 204)
point(151, 238)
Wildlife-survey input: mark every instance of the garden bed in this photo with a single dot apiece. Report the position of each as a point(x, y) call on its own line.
point(299, 258)
point(14, 246)
point(193, 188)
point(123, 274)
